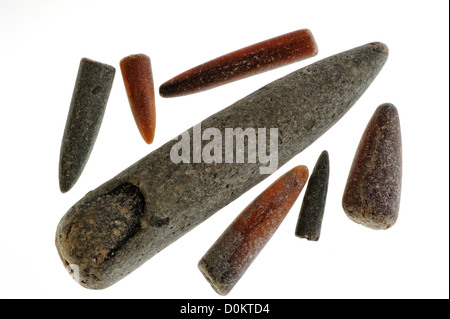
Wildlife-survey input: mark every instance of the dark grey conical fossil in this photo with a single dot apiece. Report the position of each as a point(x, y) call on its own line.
point(309, 222)
point(124, 222)
point(89, 99)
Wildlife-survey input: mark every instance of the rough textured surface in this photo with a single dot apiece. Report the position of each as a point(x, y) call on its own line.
point(257, 58)
point(310, 218)
point(302, 105)
point(89, 99)
point(235, 250)
point(372, 193)
point(138, 79)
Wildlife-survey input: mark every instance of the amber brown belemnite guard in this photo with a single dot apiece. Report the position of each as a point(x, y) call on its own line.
point(248, 61)
point(231, 255)
point(138, 79)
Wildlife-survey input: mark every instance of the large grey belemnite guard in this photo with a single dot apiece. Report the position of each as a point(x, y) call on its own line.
point(117, 227)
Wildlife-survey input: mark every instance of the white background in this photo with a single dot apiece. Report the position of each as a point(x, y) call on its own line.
point(41, 44)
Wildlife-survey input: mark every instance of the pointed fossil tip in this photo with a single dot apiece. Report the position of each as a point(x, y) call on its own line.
point(66, 179)
point(64, 186)
point(301, 169)
point(148, 137)
point(379, 47)
point(165, 90)
point(388, 106)
point(324, 154)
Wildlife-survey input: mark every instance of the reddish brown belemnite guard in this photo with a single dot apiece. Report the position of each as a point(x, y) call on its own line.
point(256, 58)
point(231, 255)
point(373, 190)
point(138, 79)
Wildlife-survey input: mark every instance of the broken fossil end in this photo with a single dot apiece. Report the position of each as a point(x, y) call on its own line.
point(93, 241)
point(217, 286)
point(314, 48)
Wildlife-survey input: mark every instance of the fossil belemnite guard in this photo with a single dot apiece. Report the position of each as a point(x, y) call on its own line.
point(121, 224)
point(87, 108)
point(373, 189)
point(309, 223)
point(234, 251)
point(242, 63)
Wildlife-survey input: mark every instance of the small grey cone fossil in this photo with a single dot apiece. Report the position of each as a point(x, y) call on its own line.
point(89, 99)
point(309, 222)
point(121, 224)
point(372, 193)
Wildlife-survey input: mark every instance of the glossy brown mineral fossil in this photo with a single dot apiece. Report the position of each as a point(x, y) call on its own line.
point(257, 58)
point(138, 79)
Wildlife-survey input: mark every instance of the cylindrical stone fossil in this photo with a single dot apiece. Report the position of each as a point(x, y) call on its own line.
point(309, 222)
point(251, 60)
point(90, 96)
point(124, 222)
point(138, 79)
point(372, 193)
point(239, 245)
